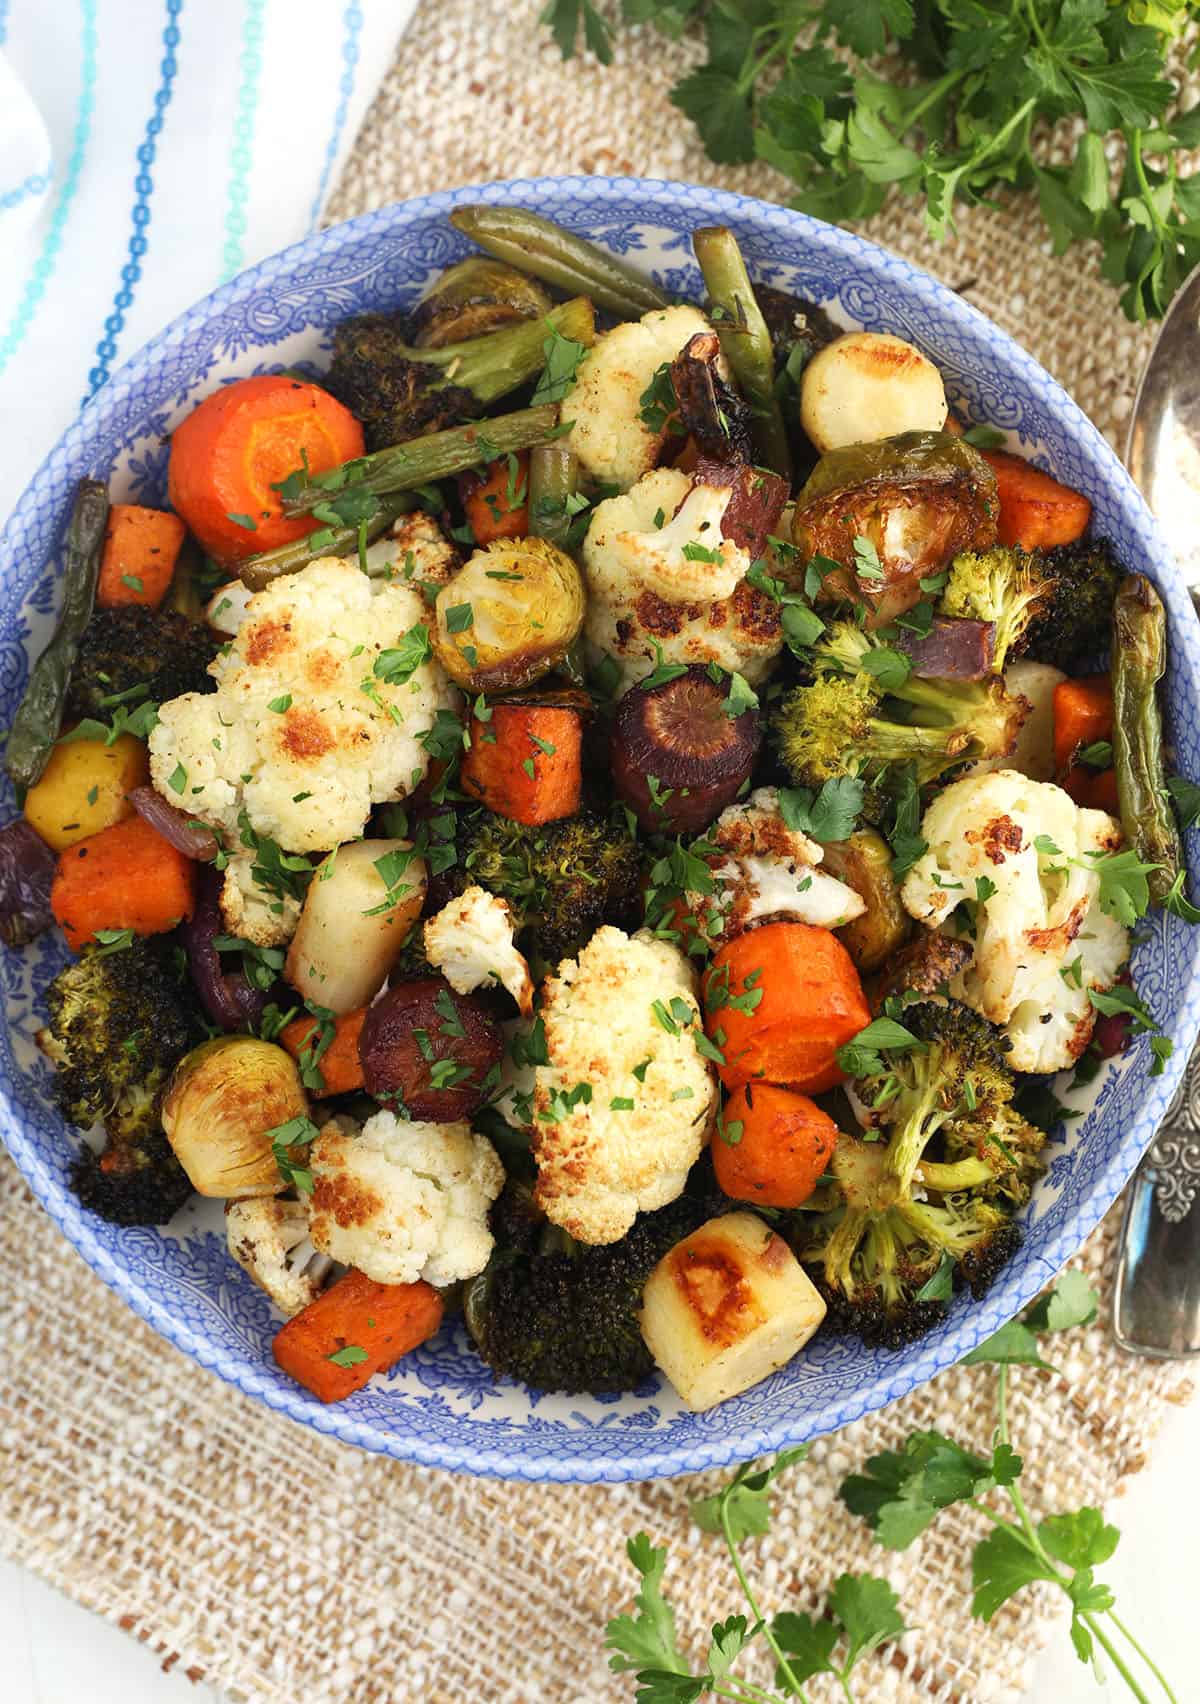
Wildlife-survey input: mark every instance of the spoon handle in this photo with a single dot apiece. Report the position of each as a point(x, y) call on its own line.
point(1156, 1308)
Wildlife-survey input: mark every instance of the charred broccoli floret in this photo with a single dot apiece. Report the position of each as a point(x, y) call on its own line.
point(119, 1023)
point(834, 726)
point(123, 649)
point(938, 1185)
point(131, 1183)
point(560, 1315)
point(1073, 627)
point(394, 391)
point(562, 880)
point(868, 1315)
point(1007, 586)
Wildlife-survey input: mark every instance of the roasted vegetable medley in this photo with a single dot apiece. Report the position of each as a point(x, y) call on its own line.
point(606, 815)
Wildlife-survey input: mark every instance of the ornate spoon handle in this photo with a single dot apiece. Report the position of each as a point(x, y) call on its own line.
point(1156, 1309)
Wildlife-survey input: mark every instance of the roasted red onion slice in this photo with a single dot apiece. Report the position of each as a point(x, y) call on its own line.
point(185, 833)
point(955, 648)
point(226, 996)
point(26, 871)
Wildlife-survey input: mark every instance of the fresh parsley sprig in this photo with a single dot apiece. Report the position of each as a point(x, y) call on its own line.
point(981, 82)
point(902, 1492)
point(861, 1613)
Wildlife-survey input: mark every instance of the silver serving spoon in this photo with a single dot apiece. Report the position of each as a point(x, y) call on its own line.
point(1156, 1308)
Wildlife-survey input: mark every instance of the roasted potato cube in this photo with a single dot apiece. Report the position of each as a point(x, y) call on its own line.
point(725, 1307)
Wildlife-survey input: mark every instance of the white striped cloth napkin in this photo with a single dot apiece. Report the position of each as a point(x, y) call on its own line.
point(149, 150)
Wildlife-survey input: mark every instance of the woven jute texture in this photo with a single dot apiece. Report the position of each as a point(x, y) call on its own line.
point(289, 1569)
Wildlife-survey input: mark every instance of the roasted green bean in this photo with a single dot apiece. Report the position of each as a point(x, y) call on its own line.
point(745, 340)
point(496, 363)
point(1139, 657)
point(39, 716)
point(557, 257)
point(406, 466)
point(258, 571)
point(553, 476)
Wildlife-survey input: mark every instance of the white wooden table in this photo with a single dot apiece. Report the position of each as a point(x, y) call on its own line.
point(56, 1653)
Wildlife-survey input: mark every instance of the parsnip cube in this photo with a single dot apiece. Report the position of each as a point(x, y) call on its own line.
point(725, 1307)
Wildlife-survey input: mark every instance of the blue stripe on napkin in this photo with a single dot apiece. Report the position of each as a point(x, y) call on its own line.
point(352, 23)
point(241, 156)
point(143, 183)
point(43, 266)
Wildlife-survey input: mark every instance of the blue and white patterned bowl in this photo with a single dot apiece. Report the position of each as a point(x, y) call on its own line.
point(441, 1406)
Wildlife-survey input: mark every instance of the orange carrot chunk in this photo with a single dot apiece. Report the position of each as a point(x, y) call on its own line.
point(771, 1146)
point(812, 1001)
point(242, 441)
point(125, 877)
point(355, 1328)
point(526, 762)
point(339, 1064)
point(1083, 713)
point(138, 561)
point(496, 498)
point(1036, 512)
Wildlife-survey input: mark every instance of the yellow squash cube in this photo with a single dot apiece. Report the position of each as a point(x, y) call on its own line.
point(83, 789)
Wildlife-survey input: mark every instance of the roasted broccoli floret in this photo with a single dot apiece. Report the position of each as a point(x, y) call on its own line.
point(898, 1264)
point(123, 649)
point(131, 1183)
point(938, 1184)
point(872, 1252)
point(954, 1069)
point(119, 1023)
point(1007, 586)
point(1073, 628)
point(562, 880)
point(1001, 1156)
point(399, 391)
point(561, 1315)
point(834, 726)
point(384, 381)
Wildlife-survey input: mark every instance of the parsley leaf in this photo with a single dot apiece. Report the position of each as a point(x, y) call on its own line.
point(861, 1057)
point(826, 815)
point(647, 1639)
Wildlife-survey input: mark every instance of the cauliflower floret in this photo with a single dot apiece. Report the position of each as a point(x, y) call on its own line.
point(632, 581)
point(252, 912)
point(404, 1200)
point(613, 443)
point(227, 608)
point(772, 871)
point(657, 557)
point(300, 733)
point(470, 941)
point(415, 551)
point(1017, 850)
point(269, 1237)
point(625, 1103)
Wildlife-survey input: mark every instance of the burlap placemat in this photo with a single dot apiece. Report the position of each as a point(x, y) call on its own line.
point(289, 1569)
